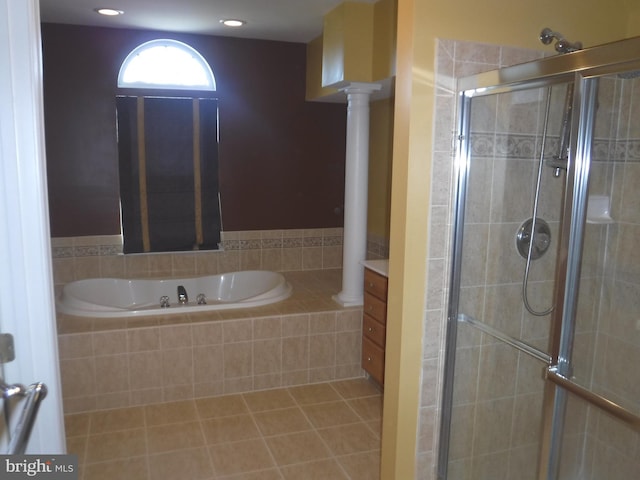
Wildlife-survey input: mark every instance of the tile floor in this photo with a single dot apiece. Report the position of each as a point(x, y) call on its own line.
point(327, 431)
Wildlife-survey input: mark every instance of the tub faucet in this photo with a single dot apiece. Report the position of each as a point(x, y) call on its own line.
point(182, 295)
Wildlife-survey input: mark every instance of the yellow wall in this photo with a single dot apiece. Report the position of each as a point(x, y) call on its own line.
point(380, 152)
point(633, 24)
point(357, 45)
point(347, 53)
point(384, 39)
point(314, 88)
point(420, 23)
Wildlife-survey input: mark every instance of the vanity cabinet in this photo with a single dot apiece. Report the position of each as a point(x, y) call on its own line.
point(374, 322)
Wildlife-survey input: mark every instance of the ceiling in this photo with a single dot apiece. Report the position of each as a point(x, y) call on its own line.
point(283, 20)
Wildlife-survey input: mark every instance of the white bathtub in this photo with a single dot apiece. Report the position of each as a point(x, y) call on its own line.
point(117, 297)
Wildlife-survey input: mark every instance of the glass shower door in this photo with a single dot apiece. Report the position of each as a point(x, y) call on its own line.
point(502, 347)
point(605, 356)
point(542, 374)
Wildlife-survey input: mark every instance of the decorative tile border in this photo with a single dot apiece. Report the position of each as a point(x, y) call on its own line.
point(91, 246)
point(377, 246)
point(527, 147)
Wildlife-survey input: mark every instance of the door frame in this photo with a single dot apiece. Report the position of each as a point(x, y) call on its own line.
point(27, 309)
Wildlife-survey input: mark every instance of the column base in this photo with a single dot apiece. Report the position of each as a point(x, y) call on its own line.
point(348, 301)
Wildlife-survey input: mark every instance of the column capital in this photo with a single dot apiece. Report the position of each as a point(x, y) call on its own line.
point(361, 87)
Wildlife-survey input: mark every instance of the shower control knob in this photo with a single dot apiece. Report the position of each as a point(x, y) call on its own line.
point(533, 249)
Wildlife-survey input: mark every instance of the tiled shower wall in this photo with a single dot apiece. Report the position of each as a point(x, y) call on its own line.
point(501, 446)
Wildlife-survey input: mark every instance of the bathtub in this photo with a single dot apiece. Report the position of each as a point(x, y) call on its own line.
point(118, 297)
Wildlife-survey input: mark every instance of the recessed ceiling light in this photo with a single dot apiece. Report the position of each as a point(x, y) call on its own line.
point(232, 22)
point(111, 12)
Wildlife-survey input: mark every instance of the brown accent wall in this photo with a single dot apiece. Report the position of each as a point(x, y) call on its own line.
point(281, 158)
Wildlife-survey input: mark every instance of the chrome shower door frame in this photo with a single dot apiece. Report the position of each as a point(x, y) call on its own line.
point(582, 68)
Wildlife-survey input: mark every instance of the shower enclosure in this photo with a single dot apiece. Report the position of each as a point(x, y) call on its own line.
point(543, 342)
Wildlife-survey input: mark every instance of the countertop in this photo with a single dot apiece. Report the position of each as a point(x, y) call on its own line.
point(378, 266)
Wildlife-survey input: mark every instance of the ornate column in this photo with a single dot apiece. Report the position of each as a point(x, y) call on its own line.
point(355, 192)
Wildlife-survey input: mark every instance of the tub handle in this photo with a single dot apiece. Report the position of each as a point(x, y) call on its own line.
point(201, 299)
point(164, 301)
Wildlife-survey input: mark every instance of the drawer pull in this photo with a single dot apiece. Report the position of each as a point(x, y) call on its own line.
point(370, 284)
point(369, 359)
point(371, 330)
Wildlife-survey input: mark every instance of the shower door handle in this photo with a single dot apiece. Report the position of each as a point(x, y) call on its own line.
point(33, 395)
point(593, 398)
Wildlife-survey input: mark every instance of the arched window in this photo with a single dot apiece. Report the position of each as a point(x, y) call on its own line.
point(166, 64)
point(168, 150)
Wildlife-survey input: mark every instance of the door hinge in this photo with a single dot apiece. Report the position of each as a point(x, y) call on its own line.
point(7, 351)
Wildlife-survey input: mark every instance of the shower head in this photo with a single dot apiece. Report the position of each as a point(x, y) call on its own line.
point(562, 44)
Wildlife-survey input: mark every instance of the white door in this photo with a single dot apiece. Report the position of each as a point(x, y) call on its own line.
point(26, 286)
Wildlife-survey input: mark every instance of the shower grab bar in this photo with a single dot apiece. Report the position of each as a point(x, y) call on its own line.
point(599, 401)
point(524, 347)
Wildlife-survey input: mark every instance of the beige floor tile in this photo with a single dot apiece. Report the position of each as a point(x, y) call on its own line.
point(269, 435)
point(376, 426)
point(119, 419)
point(221, 406)
point(271, 474)
point(297, 448)
point(77, 424)
point(78, 446)
point(279, 422)
point(362, 466)
point(348, 439)
point(329, 414)
point(240, 457)
point(368, 408)
point(174, 412)
point(191, 464)
point(135, 467)
point(229, 429)
point(308, 394)
point(116, 445)
point(269, 400)
point(166, 438)
point(361, 387)
point(327, 469)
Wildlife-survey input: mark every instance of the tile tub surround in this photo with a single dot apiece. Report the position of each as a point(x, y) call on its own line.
point(328, 430)
point(76, 258)
point(306, 339)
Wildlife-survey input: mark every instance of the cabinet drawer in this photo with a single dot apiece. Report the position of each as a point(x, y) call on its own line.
point(375, 284)
point(374, 331)
point(375, 307)
point(373, 360)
